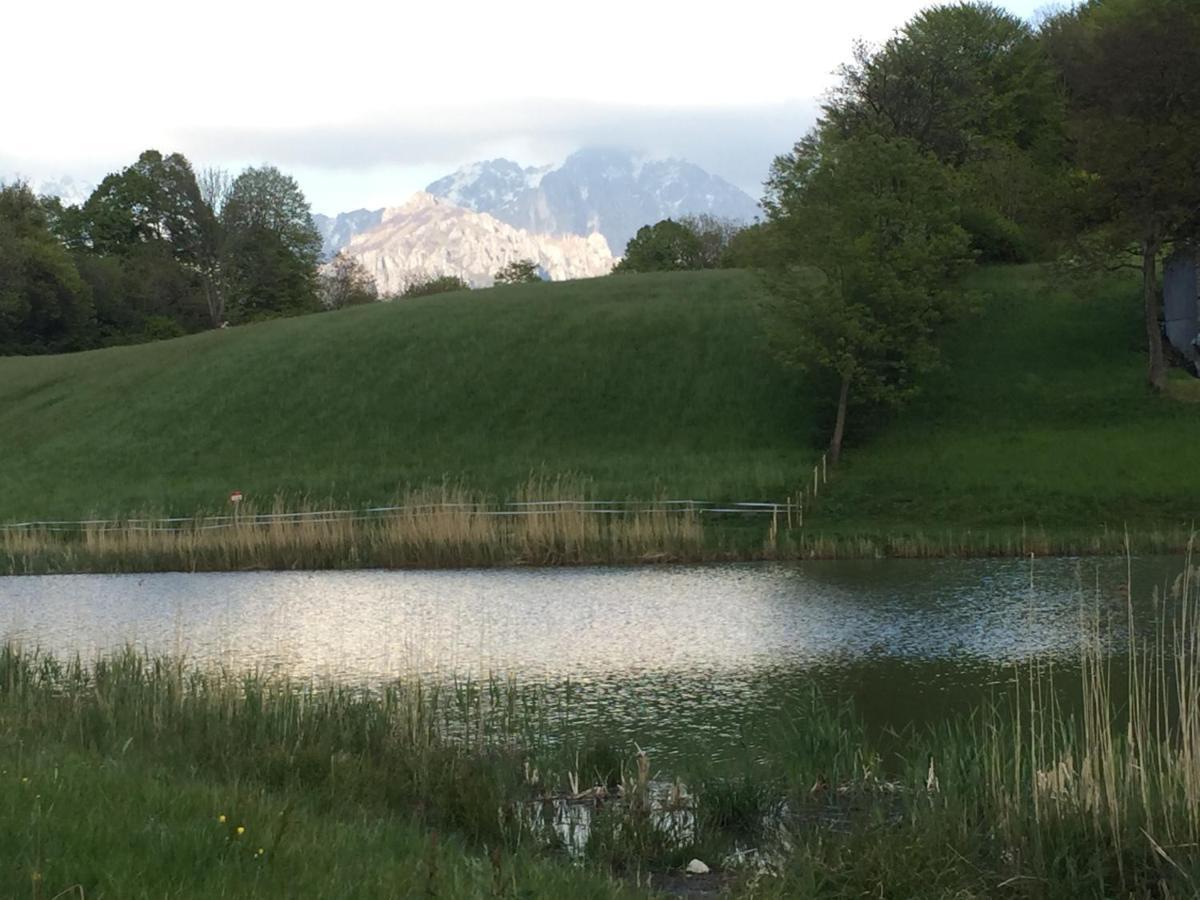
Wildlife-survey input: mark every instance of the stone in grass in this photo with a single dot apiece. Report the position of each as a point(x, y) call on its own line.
point(696, 867)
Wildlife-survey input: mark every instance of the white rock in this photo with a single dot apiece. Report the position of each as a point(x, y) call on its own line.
point(428, 237)
point(696, 867)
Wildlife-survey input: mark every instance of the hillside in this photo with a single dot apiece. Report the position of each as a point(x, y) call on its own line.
point(1040, 418)
point(640, 383)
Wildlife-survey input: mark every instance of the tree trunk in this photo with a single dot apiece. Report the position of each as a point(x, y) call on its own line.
point(1157, 375)
point(839, 427)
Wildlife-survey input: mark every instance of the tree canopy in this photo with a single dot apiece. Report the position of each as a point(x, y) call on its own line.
point(872, 252)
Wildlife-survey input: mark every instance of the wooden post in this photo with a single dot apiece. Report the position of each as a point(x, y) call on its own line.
point(816, 483)
point(824, 468)
point(789, 509)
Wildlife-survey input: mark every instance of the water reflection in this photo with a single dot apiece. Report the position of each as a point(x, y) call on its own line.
point(683, 651)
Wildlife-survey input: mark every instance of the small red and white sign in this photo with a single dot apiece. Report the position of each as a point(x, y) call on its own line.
point(235, 497)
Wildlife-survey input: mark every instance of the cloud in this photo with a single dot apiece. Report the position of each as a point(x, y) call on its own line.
point(736, 142)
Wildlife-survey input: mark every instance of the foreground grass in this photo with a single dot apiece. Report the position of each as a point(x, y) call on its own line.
point(115, 774)
point(113, 826)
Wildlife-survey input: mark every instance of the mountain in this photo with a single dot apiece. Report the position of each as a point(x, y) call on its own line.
point(336, 231)
point(429, 237)
point(613, 192)
point(71, 191)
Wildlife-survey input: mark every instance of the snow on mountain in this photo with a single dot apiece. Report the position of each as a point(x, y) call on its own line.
point(429, 237)
point(611, 191)
point(71, 191)
point(336, 231)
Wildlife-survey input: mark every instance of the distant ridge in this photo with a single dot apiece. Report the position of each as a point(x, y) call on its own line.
point(429, 237)
point(613, 192)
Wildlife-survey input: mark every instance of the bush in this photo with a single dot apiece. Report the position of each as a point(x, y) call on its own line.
point(442, 284)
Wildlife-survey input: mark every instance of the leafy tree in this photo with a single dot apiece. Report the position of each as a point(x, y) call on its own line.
point(971, 84)
point(1130, 68)
point(874, 252)
point(752, 247)
point(155, 200)
point(714, 234)
point(436, 284)
point(666, 246)
point(519, 271)
point(346, 282)
point(44, 304)
point(272, 246)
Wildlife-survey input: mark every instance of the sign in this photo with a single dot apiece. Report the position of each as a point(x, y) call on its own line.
point(235, 497)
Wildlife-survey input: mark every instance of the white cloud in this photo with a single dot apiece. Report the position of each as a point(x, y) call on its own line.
point(356, 87)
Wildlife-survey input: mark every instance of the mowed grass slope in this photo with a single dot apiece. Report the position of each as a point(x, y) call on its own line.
point(642, 384)
point(1040, 419)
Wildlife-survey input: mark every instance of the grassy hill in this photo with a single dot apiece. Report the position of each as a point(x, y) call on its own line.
point(1040, 419)
point(641, 384)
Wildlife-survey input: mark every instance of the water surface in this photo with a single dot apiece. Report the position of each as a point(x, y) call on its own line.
point(669, 655)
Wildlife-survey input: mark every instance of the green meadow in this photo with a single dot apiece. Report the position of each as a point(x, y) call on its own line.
point(633, 387)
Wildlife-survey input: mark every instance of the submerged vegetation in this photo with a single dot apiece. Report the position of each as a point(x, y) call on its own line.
point(1075, 780)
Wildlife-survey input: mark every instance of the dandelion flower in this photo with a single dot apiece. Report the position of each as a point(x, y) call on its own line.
point(241, 829)
point(221, 819)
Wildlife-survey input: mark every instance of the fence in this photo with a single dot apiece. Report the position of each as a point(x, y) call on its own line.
point(790, 511)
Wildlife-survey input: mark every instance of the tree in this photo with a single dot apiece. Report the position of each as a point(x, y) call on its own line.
point(346, 282)
point(666, 246)
point(519, 271)
point(272, 246)
point(971, 84)
point(874, 253)
point(1129, 69)
point(714, 234)
point(753, 247)
point(44, 305)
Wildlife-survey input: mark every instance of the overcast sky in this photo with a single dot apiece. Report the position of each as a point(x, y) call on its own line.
point(367, 102)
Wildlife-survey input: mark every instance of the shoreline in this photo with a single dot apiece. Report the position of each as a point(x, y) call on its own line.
point(575, 540)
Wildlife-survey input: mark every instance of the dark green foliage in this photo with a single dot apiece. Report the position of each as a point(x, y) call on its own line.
point(666, 246)
point(753, 247)
point(872, 253)
point(441, 284)
point(520, 271)
point(44, 304)
point(1133, 101)
point(971, 84)
point(272, 246)
point(714, 234)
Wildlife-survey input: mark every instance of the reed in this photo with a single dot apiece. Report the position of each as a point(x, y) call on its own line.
point(431, 527)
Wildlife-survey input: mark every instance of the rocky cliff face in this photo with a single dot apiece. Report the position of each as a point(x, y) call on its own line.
point(429, 237)
point(610, 191)
point(336, 231)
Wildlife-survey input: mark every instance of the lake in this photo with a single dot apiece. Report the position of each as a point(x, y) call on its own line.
point(672, 657)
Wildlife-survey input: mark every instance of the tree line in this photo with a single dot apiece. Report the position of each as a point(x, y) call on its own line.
point(970, 136)
point(156, 251)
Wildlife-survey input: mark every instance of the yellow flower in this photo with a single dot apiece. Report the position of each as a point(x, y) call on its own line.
point(241, 829)
point(221, 819)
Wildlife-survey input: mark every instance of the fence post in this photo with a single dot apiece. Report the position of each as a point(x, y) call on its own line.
point(824, 469)
point(816, 483)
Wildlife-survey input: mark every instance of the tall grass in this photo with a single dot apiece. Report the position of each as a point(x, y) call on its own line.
point(431, 527)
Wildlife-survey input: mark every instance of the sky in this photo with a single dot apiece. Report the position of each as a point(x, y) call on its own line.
point(366, 102)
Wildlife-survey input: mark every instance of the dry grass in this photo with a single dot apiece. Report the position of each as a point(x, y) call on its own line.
point(442, 526)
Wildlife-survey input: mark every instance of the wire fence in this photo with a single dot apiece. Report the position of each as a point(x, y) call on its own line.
point(514, 509)
point(789, 512)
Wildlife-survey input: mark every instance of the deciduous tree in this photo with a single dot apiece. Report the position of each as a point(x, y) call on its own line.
point(872, 256)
